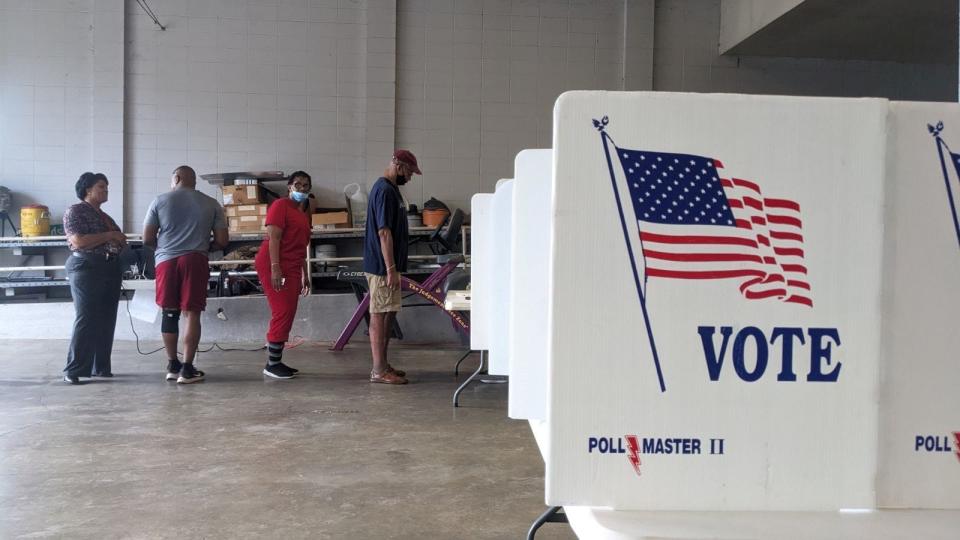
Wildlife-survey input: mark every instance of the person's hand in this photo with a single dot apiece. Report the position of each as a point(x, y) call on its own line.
point(304, 286)
point(118, 238)
point(276, 277)
point(393, 278)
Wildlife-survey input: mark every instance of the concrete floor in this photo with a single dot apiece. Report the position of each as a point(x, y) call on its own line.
point(326, 455)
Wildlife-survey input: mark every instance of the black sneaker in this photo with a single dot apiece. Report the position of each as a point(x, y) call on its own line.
point(71, 379)
point(279, 371)
point(173, 369)
point(189, 374)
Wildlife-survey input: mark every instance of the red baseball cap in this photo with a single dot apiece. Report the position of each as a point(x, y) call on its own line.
point(407, 158)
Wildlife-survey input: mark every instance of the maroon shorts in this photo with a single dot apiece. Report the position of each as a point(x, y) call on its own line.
point(182, 282)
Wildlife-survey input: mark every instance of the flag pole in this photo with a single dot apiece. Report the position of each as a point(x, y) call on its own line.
point(941, 145)
point(600, 125)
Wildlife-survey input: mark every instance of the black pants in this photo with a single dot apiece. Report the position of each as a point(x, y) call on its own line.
point(95, 286)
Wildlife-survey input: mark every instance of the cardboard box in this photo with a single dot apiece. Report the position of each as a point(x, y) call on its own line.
point(331, 218)
point(246, 224)
point(247, 194)
point(245, 210)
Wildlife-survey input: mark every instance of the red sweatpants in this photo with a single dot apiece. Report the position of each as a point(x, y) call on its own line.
point(283, 303)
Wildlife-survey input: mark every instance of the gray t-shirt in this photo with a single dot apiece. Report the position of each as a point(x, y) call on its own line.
point(185, 218)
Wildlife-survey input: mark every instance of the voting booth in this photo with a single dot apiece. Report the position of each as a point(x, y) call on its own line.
point(481, 270)
point(490, 222)
point(721, 350)
point(920, 391)
point(500, 330)
point(529, 292)
point(719, 305)
point(733, 303)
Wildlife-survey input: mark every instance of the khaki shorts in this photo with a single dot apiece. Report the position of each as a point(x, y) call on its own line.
point(382, 298)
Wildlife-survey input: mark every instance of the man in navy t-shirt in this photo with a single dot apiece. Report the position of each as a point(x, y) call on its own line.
point(384, 257)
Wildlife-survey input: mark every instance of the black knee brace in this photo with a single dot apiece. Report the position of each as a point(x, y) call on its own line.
point(170, 321)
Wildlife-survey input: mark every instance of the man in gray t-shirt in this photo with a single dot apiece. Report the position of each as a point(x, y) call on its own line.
point(184, 218)
point(179, 224)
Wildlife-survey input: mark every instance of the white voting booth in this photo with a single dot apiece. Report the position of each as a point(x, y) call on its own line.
point(481, 270)
point(529, 292)
point(502, 214)
point(733, 315)
point(720, 352)
point(766, 322)
point(490, 275)
point(920, 392)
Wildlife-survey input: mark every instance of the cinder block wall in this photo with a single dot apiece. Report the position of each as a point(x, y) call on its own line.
point(331, 86)
point(235, 86)
point(61, 100)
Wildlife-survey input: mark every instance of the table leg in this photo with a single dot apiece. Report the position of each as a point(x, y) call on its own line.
point(456, 395)
point(456, 369)
point(554, 514)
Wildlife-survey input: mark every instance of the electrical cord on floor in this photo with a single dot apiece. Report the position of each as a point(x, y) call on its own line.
point(234, 349)
point(208, 349)
point(132, 329)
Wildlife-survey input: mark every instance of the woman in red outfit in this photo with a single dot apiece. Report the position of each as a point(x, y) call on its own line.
point(282, 267)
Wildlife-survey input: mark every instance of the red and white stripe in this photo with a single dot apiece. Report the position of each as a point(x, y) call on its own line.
point(764, 250)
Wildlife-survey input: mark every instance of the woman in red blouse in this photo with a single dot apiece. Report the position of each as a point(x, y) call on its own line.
point(282, 267)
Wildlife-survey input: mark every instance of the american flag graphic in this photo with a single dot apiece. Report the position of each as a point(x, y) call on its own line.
point(698, 222)
point(943, 148)
point(955, 158)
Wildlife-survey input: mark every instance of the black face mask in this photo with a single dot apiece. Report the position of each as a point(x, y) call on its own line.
point(401, 180)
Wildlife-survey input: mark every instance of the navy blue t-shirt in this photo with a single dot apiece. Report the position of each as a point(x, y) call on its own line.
point(385, 210)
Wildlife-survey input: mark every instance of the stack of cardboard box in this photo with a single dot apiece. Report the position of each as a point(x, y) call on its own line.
point(246, 211)
point(331, 218)
point(245, 208)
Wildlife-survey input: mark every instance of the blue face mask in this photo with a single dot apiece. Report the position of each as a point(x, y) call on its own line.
point(299, 196)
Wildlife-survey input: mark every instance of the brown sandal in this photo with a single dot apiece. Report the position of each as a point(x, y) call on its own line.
point(387, 377)
point(398, 372)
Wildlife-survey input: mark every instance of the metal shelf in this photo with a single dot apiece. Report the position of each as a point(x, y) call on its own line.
point(333, 273)
point(26, 284)
point(4, 244)
point(17, 242)
point(228, 178)
point(334, 234)
point(13, 242)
